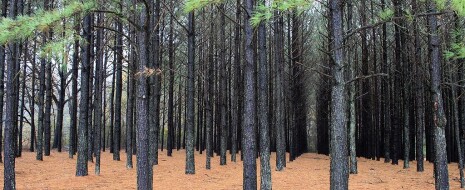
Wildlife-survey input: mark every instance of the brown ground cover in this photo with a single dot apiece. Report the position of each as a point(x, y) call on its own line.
point(310, 171)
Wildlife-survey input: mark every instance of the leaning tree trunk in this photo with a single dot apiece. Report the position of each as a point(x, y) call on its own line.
point(339, 168)
point(441, 173)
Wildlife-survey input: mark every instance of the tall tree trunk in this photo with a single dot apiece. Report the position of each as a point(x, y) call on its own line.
point(235, 122)
point(209, 97)
point(31, 100)
point(130, 117)
point(441, 173)
point(222, 95)
point(61, 104)
point(99, 73)
point(249, 126)
point(386, 88)
point(280, 99)
point(82, 148)
point(265, 168)
point(154, 82)
point(397, 94)
point(419, 95)
point(171, 127)
point(74, 101)
point(112, 101)
point(190, 164)
point(9, 181)
point(48, 95)
point(118, 90)
point(352, 91)
point(339, 169)
point(23, 105)
point(2, 76)
point(40, 130)
point(143, 165)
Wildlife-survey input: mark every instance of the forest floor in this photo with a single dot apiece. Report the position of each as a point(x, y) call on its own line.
point(309, 171)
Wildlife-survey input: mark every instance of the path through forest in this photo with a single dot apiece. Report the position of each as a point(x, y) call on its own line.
point(310, 171)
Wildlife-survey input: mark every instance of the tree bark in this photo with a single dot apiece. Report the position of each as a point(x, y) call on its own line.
point(82, 148)
point(9, 181)
point(249, 127)
point(265, 168)
point(118, 90)
point(74, 101)
point(222, 95)
point(339, 168)
point(143, 165)
point(441, 173)
point(190, 164)
point(280, 99)
point(99, 73)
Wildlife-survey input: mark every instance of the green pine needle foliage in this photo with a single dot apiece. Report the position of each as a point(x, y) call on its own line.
point(25, 26)
point(265, 12)
point(192, 5)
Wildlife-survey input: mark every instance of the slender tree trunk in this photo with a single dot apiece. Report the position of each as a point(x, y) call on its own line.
point(441, 173)
point(74, 101)
point(190, 164)
point(171, 127)
point(235, 83)
point(99, 73)
point(48, 95)
point(40, 130)
point(280, 99)
point(265, 168)
point(2, 77)
point(386, 103)
point(339, 169)
point(9, 181)
point(82, 148)
point(352, 91)
point(31, 100)
point(130, 107)
point(112, 101)
point(118, 91)
point(61, 105)
point(23, 105)
point(419, 95)
point(154, 82)
point(222, 95)
point(249, 126)
point(209, 98)
point(143, 165)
